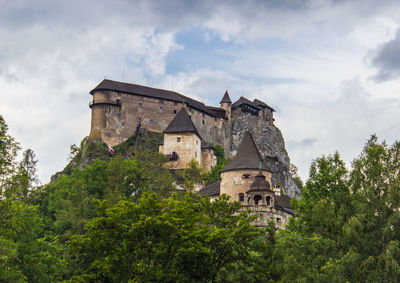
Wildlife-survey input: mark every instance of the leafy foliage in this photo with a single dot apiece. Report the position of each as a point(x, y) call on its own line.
point(157, 239)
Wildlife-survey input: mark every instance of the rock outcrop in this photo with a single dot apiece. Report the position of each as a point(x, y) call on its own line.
point(270, 143)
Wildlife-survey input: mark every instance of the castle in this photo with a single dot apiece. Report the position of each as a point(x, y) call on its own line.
point(119, 108)
point(245, 129)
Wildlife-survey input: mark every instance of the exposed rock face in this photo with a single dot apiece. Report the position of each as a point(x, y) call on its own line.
point(270, 143)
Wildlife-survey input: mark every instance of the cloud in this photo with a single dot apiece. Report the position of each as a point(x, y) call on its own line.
point(387, 60)
point(298, 56)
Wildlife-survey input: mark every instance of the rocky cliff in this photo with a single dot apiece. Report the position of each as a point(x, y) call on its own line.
point(271, 145)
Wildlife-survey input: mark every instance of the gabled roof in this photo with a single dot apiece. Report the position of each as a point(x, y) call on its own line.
point(182, 124)
point(260, 103)
point(150, 92)
point(211, 190)
point(247, 157)
point(243, 100)
point(226, 98)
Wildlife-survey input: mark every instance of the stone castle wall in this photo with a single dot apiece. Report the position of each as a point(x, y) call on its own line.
point(116, 116)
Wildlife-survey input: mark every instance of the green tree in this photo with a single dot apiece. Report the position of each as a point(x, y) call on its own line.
point(192, 175)
point(155, 240)
point(8, 152)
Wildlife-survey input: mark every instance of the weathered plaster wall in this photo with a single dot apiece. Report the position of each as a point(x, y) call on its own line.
point(233, 183)
point(187, 148)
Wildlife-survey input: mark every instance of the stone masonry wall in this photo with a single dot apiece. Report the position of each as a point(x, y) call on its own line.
point(118, 121)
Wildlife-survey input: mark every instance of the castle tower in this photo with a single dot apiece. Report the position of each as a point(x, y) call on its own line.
point(240, 172)
point(226, 105)
point(182, 141)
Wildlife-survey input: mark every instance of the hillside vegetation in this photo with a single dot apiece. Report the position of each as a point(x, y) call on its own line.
point(119, 218)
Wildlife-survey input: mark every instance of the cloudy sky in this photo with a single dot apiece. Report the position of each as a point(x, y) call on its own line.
point(331, 69)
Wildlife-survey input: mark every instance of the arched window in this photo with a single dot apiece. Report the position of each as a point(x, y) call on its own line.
point(257, 198)
point(269, 200)
point(241, 197)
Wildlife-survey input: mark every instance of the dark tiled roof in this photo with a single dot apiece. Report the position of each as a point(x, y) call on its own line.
point(182, 124)
point(243, 100)
point(247, 157)
point(211, 190)
point(216, 111)
point(283, 202)
point(260, 103)
point(226, 98)
point(150, 92)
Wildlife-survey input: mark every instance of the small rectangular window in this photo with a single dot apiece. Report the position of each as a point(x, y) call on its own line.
point(140, 105)
point(139, 120)
point(161, 109)
point(178, 139)
point(174, 111)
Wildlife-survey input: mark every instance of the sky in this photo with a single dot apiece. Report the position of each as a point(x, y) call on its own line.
point(330, 69)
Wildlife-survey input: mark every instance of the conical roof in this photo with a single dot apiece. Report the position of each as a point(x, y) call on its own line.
point(226, 98)
point(259, 184)
point(247, 157)
point(182, 124)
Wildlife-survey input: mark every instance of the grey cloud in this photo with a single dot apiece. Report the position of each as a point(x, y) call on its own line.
point(387, 60)
point(301, 144)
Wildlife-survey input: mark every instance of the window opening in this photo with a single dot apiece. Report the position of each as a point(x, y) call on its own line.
point(257, 198)
point(246, 176)
point(140, 105)
point(241, 197)
point(178, 139)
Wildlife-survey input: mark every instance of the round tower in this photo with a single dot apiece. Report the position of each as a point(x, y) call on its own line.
point(226, 105)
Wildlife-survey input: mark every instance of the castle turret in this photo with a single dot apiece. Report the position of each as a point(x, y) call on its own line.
point(226, 105)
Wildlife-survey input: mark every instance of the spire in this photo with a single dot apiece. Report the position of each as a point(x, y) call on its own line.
point(226, 98)
point(182, 124)
point(247, 157)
